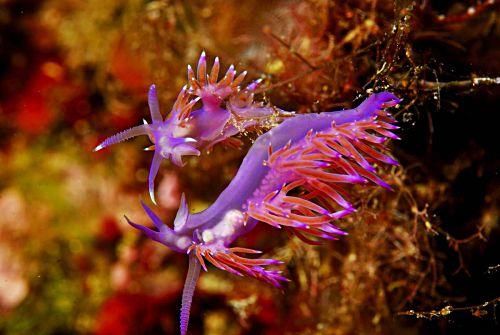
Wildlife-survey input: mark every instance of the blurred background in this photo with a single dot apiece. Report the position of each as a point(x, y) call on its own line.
point(423, 259)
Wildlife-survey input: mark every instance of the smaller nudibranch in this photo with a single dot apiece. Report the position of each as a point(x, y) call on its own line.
point(226, 110)
point(298, 177)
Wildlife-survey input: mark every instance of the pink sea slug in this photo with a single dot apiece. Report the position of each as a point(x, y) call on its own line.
point(226, 110)
point(297, 176)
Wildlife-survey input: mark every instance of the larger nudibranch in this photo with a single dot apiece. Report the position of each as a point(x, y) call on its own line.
point(226, 110)
point(296, 176)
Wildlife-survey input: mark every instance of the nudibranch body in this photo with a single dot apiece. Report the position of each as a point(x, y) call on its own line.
point(226, 110)
point(295, 176)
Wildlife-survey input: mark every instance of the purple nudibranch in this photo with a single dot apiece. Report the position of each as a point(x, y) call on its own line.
point(319, 154)
point(226, 110)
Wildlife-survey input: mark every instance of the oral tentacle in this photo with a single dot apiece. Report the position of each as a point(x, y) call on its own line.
point(153, 171)
point(180, 150)
point(163, 234)
point(162, 228)
point(166, 236)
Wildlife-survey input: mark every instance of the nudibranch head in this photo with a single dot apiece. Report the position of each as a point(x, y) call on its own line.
point(163, 234)
point(166, 135)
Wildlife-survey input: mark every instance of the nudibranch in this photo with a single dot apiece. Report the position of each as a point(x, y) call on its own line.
point(297, 177)
point(226, 110)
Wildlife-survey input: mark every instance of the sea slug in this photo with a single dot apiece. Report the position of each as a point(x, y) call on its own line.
point(297, 176)
point(226, 109)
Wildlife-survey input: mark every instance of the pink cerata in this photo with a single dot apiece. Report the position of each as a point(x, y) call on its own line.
point(297, 176)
